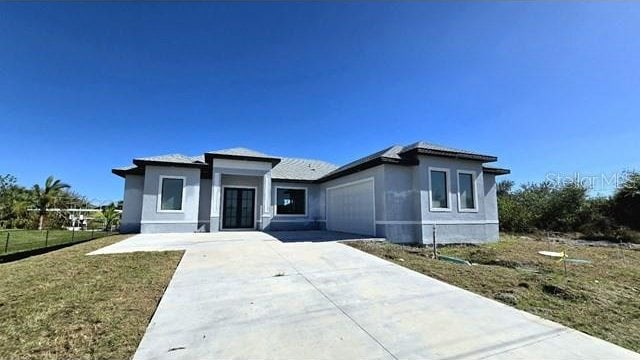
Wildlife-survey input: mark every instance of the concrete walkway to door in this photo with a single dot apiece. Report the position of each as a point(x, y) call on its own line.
point(249, 295)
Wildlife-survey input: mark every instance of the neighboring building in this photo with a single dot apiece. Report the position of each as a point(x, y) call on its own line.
point(399, 193)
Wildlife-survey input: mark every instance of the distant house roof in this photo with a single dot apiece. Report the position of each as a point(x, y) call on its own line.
point(309, 170)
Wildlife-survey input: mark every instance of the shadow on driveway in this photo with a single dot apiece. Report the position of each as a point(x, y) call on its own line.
point(315, 236)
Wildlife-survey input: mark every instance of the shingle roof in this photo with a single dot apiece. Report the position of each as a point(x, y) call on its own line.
point(436, 147)
point(310, 170)
point(171, 158)
point(301, 169)
point(239, 151)
point(392, 152)
point(398, 154)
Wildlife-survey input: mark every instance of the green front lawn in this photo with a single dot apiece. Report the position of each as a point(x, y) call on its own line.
point(67, 305)
point(20, 240)
point(601, 299)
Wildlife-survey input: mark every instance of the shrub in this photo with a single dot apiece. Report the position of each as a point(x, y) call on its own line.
point(626, 202)
point(542, 206)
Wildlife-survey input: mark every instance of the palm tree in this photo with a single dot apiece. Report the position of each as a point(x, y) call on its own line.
point(110, 216)
point(47, 196)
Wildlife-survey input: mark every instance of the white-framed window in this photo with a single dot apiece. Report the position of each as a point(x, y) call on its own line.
point(291, 201)
point(439, 185)
point(467, 191)
point(171, 193)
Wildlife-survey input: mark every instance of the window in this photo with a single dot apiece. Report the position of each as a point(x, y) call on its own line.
point(171, 193)
point(439, 179)
point(291, 201)
point(466, 191)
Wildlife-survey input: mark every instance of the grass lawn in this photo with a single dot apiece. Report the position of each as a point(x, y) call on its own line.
point(66, 305)
point(20, 240)
point(601, 299)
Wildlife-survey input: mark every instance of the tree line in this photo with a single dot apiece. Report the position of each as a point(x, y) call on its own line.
point(27, 208)
point(568, 208)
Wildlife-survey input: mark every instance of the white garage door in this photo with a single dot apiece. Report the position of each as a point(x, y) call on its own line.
point(351, 208)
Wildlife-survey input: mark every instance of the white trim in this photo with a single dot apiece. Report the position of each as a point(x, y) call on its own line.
point(159, 198)
point(474, 179)
point(266, 194)
point(216, 183)
point(373, 193)
point(255, 206)
point(436, 222)
point(306, 201)
point(448, 189)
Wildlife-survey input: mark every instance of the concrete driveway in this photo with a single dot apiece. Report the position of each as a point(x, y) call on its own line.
point(250, 295)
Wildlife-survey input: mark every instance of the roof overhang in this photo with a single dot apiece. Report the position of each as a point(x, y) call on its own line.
point(124, 172)
point(450, 154)
point(143, 163)
point(208, 157)
point(496, 171)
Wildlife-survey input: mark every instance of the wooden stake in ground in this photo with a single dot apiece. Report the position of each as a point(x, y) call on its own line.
point(435, 249)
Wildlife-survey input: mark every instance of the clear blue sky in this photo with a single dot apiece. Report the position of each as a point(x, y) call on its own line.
point(548, 87)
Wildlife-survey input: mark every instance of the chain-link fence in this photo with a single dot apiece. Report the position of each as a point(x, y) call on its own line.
point(14, 241)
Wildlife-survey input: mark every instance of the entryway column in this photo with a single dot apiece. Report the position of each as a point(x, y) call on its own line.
point(216, 184)
point(266, 201)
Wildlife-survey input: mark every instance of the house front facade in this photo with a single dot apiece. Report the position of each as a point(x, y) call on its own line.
point(401, 193)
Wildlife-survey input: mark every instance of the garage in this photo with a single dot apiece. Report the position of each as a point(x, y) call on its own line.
point(351, 207)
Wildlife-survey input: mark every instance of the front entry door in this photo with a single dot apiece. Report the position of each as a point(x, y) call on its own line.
point(238, 211)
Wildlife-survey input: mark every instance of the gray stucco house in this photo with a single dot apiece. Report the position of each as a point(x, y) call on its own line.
point(399, 193)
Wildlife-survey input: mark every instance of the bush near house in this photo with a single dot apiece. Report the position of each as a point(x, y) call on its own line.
point(568, 208)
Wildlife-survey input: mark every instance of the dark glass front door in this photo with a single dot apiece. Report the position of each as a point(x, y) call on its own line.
point(238, 209)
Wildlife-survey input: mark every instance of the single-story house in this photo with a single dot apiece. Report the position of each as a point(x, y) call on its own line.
point(401, 193)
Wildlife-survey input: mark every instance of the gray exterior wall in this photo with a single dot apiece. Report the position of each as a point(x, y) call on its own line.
point(455, 225)
point(401, 221)
point(313, 220)
point(186, 220)
point(132, 206)
point(204, 205)
point(377, 173)
point(401, 197)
